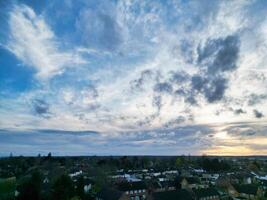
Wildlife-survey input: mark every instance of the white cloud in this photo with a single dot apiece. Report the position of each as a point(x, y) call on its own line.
point(33, 42)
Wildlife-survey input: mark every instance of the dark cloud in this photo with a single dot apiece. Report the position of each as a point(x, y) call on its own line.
point(214, 91)
point(93, 107)
point(249, 132)
point(147, 121)
point(139, 82)
point(175, 85)
point(198, 82)
point(180, 92)
point(157, 102)
point(213, 88)
point(220, 54)
point(188, 139)
point(179, 77)
point(191, 99)
point(40, 107)
point(163, 88)
point(180, 80)
point(175, 122)
point(175, 133)
point(215, 58)
point(254, 99)
point(245, 129)
point(258, 114)
point(239, 111)
point(188, 95)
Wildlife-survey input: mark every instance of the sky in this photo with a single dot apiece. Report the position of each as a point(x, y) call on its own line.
point(133, 77)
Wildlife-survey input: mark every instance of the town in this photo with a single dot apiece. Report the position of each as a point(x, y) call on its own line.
point(133, 177)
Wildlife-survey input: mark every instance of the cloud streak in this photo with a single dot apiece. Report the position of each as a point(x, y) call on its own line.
point(33, 41)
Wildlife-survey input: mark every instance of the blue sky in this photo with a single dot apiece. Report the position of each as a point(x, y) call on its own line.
point(133, 77)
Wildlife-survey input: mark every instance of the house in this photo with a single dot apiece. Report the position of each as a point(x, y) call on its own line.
point(127, 177)
point(264, 184)
point(87, 185)
point(223, 194)
point(190, 183)
point(133, 190)
point(172, 195)
point(111, 194)
point(223, 181)
point(241, 178)
point(199, 171)
point(162, 177)
point(207, 175)
point(46, 180)
point(249, 191)
point(185, 172)
point(155, 186)
point(210, 178)
point(170, 172)
point(75, 174)
point(206, 194)
point(159, 186)
point(168, 185)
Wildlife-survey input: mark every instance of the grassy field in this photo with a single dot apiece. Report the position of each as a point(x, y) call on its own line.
point(7, 188)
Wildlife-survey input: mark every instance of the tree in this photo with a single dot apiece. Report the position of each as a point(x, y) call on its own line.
point(254, 166)
point(80, 187)
point(30, 188)
point(214, 165)
point(180, 161)
point(63, 188)
point(49, 155)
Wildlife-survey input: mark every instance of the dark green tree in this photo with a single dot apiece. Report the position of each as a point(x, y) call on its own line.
point(80, 187)
point(30, 188)
point(63, 188)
